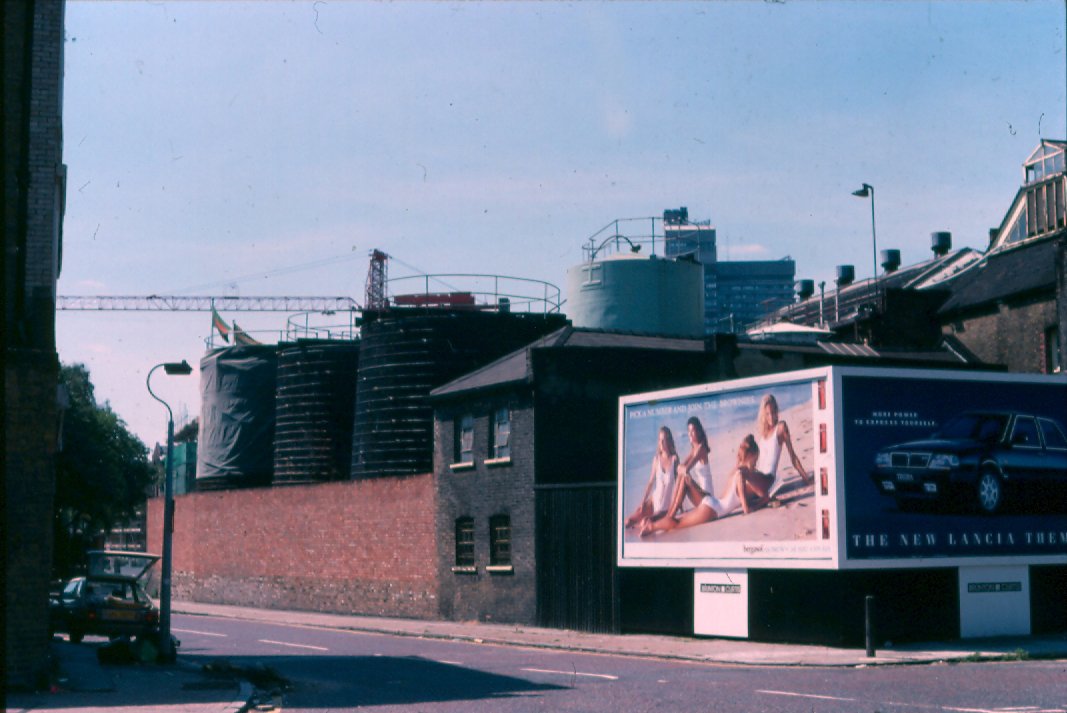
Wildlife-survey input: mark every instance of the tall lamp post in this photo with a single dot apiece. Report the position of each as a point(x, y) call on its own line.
point(181, 368)
point(868, 190)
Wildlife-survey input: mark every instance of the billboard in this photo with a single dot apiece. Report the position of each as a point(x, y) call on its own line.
point(686, 455)
point(845, 467)
point(951, 466)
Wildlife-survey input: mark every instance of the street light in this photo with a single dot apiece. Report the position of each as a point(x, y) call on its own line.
point(181, 368)
point(868, 190)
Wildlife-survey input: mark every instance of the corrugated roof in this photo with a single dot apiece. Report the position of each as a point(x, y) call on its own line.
point(948, 353)
point(848, 349)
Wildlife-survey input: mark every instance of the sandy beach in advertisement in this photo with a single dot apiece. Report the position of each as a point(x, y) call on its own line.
point(792, 516)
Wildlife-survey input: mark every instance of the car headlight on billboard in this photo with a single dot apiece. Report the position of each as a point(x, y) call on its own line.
point(944, 461)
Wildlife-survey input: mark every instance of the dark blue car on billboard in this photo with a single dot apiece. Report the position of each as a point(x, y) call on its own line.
point(978, 459)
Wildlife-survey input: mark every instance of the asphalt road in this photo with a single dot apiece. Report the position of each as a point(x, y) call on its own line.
point(335, 670)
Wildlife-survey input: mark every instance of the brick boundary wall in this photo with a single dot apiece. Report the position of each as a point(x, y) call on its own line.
point(353, 547)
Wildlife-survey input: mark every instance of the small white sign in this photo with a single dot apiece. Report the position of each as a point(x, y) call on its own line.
point(994, 601)
point(720, 602)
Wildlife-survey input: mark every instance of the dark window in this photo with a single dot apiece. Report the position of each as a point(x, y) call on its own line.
point(463, 439)
point(499, 540)
point(1025, 432)
point(1053, 357)
point(500, 433)
point(465, 542)
point(1054, 437)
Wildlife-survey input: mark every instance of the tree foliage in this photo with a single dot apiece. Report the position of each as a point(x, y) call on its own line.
point(102, 470)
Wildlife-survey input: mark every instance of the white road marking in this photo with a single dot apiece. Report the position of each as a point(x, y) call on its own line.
point(572, 673)
point(805, 695)
point(295, 646)
point(1019, 709)
point(201, 633)
point(969, 710)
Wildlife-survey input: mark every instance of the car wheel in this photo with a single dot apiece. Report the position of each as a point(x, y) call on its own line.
point(990, 491)
point(76, 636)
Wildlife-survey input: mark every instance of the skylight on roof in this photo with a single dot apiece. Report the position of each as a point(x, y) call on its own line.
point(1046, 160)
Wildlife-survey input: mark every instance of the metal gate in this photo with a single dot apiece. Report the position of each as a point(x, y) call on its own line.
point(577, 585)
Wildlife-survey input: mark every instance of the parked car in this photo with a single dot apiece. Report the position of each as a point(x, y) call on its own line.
point(109, 601)
point(976, 458)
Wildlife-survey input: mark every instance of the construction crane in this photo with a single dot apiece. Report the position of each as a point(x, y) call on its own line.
point(377, 276)
point(164, 303)
point(375, 298)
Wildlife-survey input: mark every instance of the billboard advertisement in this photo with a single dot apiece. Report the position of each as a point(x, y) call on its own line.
point(846, 467)
point(727, 474)
point(951, 466)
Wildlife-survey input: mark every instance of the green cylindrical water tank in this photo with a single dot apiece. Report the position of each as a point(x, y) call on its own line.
point(643, 295)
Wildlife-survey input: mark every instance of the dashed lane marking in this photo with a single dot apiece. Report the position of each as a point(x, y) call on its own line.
point(200, 633)
point(295, 646)
point(607, 676)
point(805, 695)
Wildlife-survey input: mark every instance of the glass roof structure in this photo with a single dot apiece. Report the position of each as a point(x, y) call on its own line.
point(1038, 209)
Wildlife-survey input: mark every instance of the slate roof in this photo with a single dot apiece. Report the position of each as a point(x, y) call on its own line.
point(1030, 267)
point(516, 368)
point(937, 272)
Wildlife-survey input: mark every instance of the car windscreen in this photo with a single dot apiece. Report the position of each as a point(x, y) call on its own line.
point(979, 427)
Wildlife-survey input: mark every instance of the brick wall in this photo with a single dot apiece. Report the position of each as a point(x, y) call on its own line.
point(360, 547)
point(1061, 300)
point(480, 493)
point(1011, 334)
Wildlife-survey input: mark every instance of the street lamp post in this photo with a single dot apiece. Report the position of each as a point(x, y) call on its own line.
point(868, 190)
point(167, 653)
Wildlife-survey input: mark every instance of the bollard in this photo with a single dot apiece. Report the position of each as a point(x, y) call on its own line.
point(868, 615)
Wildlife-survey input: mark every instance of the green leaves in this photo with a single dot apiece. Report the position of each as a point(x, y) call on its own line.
point(102, 470)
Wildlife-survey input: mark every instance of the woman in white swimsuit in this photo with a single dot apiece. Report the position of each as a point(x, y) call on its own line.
point(694, 476)
point(741, 483)
point(660, 486)
point(771, 435)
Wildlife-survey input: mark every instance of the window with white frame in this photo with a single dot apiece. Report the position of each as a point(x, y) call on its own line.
point(500, 541)
point(465, 542)
point(500, 433)
point(463, 439)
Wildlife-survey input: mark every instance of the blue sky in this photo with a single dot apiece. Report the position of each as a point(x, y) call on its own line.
point(210, 141)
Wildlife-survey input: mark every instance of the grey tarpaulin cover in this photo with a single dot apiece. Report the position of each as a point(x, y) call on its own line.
point(236, 442)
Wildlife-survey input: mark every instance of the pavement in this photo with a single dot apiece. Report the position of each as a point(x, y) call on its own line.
point(81, 684)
